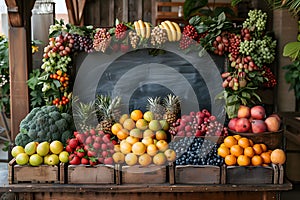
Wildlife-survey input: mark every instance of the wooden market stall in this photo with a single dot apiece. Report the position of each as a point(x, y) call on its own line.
point(19, 13)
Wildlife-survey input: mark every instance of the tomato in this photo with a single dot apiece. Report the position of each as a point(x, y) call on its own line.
point(54, 76)
point(62, 79)
point(51, 76)
point(63, 98)
point(59, 72)
point(67, 100)
point(64, 102)
point(58, 77)
point(67, 78)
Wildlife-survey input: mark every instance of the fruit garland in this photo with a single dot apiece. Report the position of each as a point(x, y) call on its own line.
point(248, 51)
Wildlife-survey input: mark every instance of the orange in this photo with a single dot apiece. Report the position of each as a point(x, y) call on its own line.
point(129, 124)
point(116, 128)
point(266, 157)
point(136, 115)
point(222, 145)
point(243, 142)
point(236, 150)
point(256, 160)
point(162, 145)
point(229, 141)
point(237, 137)
point(118, 157)
point(248, 151)
point(278, 156)
point(243, 160)
point(161, 135)
point(257, 149)
point(125, 147)
point(141, 124)
point(123, 117)
point(223, 151)
point(170, 155)
point(122, 134)
point(138, 148)
point(131, 140)
point(264, 147)
point(230, 160)
point(148, 133)
point(152, 149)
point(159, 159)
point(131, 159)
point(147, 141)
point(145, 160)
point(251, 143)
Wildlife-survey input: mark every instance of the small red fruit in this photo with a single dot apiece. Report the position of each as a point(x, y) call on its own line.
point(73, 143)
point(84, 161)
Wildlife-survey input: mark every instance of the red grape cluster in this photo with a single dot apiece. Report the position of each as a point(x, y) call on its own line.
point(270, 76)
point(245, 33)
point(120, 31)
point(189, 36)
point(221, 44)
point(61, 44)
point(102, 40)
point(234, 45)
point(82, 43)
point(197, 124)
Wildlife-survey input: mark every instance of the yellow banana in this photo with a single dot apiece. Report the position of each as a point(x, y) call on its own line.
point(173, 30)
point(178, 30)
point(148, 30)
point(142, 28)
point(166, 27)
point(137, 28)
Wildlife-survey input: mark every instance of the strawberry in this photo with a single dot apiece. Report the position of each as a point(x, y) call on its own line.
point(101, 160)
point(86, 147)
point(106, 138)
point(96, 145)
point(103, 146)
point(93, 161)
point(80, 137)
point(76, 133)
point(114, 142)
point(124, 48)
point(115, 47)
point(80, 152)
point(98, 139)
point(104, 154)
point(74, 160)
point(108, 161)
point(112, 151)
point(91, 153)
point(92, 132)
point(110, 145)
point(84, 161)
point(69, 149)
point(100, 132)
point(89, 140)
point(73, 143)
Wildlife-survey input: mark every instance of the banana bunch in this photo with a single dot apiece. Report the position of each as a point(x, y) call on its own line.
point(142, 29)
point(173, 30)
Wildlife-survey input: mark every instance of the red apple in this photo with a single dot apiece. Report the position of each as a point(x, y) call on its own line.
point(232, 122)
point(242, 125)
point(258, 112)
point(277, 117)
point(273, 124)
point(258, 126)
point(243, 112)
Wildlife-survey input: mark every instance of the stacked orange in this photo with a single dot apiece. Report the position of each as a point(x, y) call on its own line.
point(237, 150)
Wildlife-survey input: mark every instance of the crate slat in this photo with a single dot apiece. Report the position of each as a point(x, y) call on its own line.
point(197, 174)
point(85, 174)
point(137, 174)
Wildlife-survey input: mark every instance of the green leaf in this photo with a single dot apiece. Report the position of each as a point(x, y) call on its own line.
point(292, 50)
point(232, 110)
point(235, 2)
point(117, 22)
point(221, 17)
point(195, 20)
point(56, 83)
point(190, 6)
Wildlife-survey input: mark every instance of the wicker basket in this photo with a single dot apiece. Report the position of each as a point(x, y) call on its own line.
point(272, 139)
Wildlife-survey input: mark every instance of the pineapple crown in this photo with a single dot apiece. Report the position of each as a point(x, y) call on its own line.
point(107, 107)
point(84, 112)
point(171, 103)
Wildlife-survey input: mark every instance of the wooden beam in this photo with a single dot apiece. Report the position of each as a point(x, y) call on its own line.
point(70, 9)
point(75, 10)
point(20, 60)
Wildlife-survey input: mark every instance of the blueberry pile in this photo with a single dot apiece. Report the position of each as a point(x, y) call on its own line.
point(196, 151)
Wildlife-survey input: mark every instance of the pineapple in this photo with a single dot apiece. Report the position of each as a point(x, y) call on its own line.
point(171, 104)
point(84, 115)
point(154, 105)
point(108, 111)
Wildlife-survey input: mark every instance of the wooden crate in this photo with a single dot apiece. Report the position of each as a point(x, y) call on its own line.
point(197, 174)
point(86, 174)
point(30, 174)
point(138, 174)
point(251, 174)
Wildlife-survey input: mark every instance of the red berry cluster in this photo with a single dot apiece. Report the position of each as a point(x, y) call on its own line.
point(189, 36)
point(270, 76)
point(62, 78)
point(197, 124)
point(64, 101)
point(245, 33)
point(234, 48)
point(91, 148)
point(120, 32)
point(221, 44)
point(62, 44)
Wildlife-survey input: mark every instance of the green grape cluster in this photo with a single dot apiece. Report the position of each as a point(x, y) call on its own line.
point(256, 21)
point(261, 50)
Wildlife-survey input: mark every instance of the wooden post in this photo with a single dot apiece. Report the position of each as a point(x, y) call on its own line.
point(20, 59)
point(75, 11)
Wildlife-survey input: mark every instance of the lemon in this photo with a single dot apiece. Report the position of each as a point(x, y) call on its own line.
point(22, 159)
point(64, 157)
point(17, 150)
point(43, 148)
point(30, 148)
point(36, 160)
point(56, 147)
point(53, 159)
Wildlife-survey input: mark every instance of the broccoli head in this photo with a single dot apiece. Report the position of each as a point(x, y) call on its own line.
point(22, 139)
point(66, 135)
